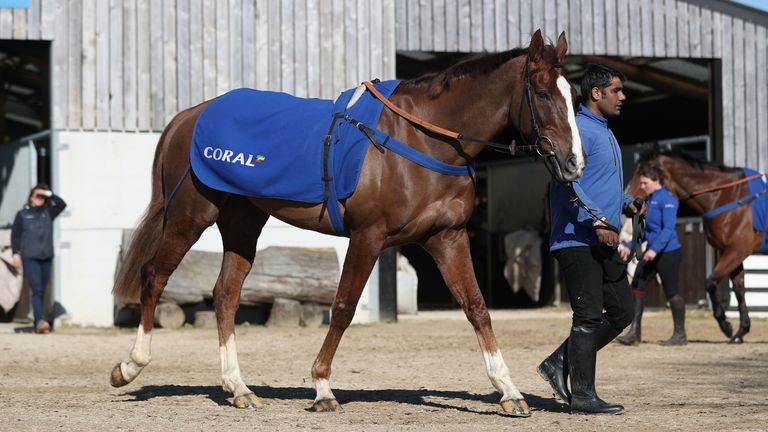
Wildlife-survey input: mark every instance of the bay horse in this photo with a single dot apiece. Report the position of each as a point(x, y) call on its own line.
point(705, 188)
point(395, 202)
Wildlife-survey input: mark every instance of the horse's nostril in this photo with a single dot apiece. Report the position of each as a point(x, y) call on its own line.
point(570, 164)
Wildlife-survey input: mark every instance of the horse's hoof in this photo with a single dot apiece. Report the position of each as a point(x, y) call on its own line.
point(248, 400)
point(116, 378)
point(736, 340)
point(516, 408)
point(726, 328)
point(327, 405)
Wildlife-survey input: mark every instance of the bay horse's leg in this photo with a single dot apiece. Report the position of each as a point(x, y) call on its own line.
point(240, 224)
point(187, 219)
point(450, 249)
point(737, 277)
point(729, 260)
point(364, 248)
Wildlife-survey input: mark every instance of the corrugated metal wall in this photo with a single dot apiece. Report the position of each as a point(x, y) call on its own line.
point(647, 28)
point(130, 65)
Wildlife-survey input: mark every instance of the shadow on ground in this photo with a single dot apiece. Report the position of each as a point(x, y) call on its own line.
point(421, 397)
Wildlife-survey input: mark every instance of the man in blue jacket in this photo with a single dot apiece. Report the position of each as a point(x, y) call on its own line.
point(584, 239)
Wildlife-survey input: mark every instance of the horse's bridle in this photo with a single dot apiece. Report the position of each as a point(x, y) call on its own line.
point(549, 155)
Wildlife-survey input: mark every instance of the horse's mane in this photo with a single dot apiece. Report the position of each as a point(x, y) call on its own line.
point(437, 82)
point(676, 154)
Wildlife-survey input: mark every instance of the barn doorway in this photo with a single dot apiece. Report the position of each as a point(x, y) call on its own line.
point(668, 99)
point(25, 138)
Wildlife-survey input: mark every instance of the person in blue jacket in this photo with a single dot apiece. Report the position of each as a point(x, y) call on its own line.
point(584, 237)
point(661, 256)
point(32, 245)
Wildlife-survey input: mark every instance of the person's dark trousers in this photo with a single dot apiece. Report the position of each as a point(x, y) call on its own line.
point(596, 280)
point(666, 265)
point(37, 272)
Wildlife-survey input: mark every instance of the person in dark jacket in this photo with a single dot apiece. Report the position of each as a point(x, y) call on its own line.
point(662, 256)
point(32, 245)
point(584, 245)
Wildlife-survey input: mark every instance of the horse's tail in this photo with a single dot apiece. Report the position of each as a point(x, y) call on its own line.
point(146, 238)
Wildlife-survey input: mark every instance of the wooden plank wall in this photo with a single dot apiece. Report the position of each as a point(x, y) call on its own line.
point(131, 65)
point(648, 28)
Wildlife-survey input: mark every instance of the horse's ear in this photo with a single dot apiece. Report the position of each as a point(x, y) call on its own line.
point(561, 48)
point(536, 48)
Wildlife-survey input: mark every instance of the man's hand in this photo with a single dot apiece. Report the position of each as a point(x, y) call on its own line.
point(604, 234)
point(17, 261)
point(650, 254)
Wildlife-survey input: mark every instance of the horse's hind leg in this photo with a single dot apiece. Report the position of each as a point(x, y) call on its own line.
point(737, 277)
point(450, 249)
point(180, 233)
point(361, 255)
point(240, 224)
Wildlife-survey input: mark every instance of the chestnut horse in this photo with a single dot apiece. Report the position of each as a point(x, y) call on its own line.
point(704, 187)
point(395, 202)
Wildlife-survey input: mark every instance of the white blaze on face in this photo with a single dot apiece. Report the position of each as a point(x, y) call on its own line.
point(230, 369)
point(499, 375)
point(565, 89)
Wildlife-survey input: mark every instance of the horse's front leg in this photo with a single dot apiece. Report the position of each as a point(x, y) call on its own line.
point(737, 277)
point(727, 263)
point(363, 250)
point(718, 310)
point(240, 224)
point(226, 296)
point(450, 249)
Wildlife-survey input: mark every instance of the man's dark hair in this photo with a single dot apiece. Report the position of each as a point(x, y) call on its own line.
point(600, 76)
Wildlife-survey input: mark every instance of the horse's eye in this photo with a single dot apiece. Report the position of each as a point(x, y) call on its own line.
point(542, 94)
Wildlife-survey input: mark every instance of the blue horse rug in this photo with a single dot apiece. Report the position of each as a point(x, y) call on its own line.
point(757, 188)
point(273, 145)
point(270, 145)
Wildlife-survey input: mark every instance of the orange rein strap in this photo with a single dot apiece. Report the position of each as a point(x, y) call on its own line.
point(723, 186)
point(410, 117)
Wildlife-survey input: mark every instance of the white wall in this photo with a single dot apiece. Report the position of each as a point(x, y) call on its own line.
point(105, 179)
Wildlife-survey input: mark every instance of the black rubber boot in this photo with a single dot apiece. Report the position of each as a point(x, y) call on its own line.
point(582, 356)
point(554, 370)
point(677, 304)
point(633, 335)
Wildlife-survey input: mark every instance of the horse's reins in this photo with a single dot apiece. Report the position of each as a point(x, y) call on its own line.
point(509, 149)
point(720, 187)
point(503, 148)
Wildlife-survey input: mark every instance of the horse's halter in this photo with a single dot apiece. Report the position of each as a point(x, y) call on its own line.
point(549, 155)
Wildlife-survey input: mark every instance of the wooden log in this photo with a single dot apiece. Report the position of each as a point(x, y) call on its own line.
point(205, 319)
point(311, 315)
point(284, 313)
point(169, 315)
point(302, 274)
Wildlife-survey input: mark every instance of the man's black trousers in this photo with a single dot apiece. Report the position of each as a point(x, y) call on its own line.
point(596, 281)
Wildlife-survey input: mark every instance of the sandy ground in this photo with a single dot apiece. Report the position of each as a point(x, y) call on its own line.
point(422, 374)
